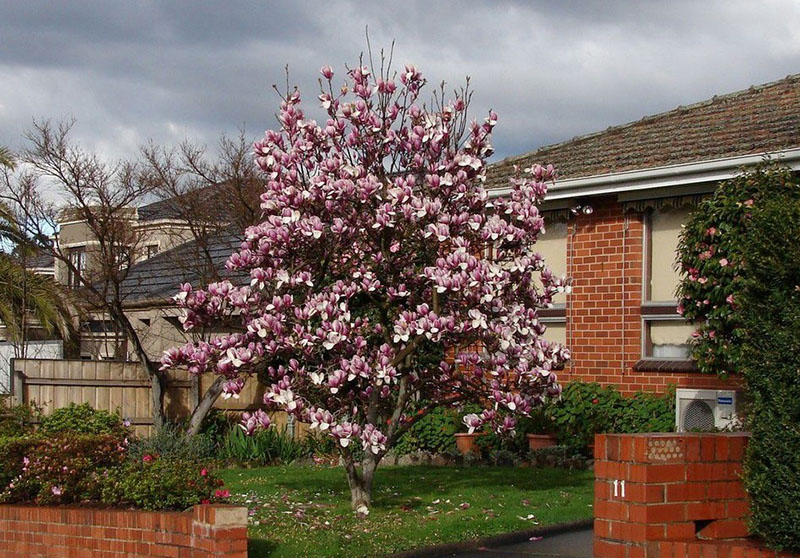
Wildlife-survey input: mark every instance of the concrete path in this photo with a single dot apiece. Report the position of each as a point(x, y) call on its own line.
point(573, 544)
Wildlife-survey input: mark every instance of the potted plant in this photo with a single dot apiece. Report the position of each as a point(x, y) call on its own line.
point(540, 430)
point(467, 441)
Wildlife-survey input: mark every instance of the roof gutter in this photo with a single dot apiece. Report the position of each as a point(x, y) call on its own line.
point(659, 177)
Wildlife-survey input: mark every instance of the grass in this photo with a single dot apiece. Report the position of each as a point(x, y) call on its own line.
point(305, 511)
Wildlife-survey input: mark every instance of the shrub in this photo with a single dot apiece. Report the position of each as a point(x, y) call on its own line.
point(770, 360)
point(433, 433)
point(83, 419)
point(171, 442)
point(156, 484)
point(59, 469)
point(712, 258)
point(16, 420)
point(587, 408)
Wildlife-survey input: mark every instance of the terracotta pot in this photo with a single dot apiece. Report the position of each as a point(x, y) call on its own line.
point(539, 441)
point(467, 443)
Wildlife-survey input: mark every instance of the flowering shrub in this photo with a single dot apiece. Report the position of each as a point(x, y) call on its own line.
point(368, 262)
point(154, 484)
point(90, 468)
point(59, 469)
point(711, 258)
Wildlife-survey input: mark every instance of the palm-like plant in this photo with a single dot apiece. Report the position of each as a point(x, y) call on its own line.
point(25, 296)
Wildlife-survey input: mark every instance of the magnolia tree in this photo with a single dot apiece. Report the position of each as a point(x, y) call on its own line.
point(371, 299)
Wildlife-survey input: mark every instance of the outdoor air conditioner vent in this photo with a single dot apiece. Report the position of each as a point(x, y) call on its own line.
point(705, 409)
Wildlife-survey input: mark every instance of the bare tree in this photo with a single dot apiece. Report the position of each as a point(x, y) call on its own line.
point(103, 197)
point(207, 196)
point(211, 195)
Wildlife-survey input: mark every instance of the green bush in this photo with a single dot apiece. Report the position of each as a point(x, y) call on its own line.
point(16, 420)
point(770, 363)
point(157, 484)
point(83, 419)
point(712, 258)
point(587, 408)
point(434, 433)
point(171, 442)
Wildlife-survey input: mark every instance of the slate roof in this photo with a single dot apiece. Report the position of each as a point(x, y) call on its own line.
point(159, 278)
point(41, 261)
point(760, 119)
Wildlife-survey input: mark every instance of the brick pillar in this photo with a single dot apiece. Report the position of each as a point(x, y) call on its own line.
point(220, 531)
point(666, 487)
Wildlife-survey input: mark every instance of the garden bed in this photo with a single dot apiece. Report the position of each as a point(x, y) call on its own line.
point(305, 511)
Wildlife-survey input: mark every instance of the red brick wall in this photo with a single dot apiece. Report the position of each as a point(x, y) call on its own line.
point(605, 258)
point(213, 531)
point(681, 492)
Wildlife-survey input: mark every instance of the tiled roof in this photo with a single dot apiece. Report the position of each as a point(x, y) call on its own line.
point(761, 119)
point(160, 277)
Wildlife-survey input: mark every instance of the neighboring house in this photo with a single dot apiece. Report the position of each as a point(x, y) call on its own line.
point(157, 229)
point(614, 215)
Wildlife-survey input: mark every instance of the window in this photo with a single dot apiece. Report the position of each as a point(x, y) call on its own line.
point(151, 250)
point(664, 231)
point(667, 338)
point(556, 330)
point(77, 267)
point(553, 247)
point(665, 334)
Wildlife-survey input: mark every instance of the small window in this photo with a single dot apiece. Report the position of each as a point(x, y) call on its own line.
point(556, 331)
point(668, 339)
point(151, 250)
point(77, 267)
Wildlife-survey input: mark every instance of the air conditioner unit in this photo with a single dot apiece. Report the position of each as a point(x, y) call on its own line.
point(705, 409)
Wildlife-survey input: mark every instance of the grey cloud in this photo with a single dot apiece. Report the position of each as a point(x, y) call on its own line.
point(129, 71)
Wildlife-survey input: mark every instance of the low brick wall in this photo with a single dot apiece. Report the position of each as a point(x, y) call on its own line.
point(665, 495)
point(204, 532)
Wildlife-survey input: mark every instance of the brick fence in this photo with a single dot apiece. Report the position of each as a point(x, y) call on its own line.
point(212, 531)
point(671, 495)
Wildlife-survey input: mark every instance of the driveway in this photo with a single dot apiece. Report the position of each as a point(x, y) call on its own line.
point(572, 544)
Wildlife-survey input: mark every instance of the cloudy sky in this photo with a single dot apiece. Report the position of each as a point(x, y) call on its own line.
point(130, 71)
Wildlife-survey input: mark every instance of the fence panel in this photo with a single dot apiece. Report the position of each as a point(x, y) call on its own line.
point(124, 386)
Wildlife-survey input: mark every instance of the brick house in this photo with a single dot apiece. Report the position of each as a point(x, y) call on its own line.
point(613, 220)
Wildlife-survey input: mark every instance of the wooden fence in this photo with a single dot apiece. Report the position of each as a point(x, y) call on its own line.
point(119, 386)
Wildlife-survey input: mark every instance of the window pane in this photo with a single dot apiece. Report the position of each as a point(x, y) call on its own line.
point(557, 332)
point(665, 227)
point(669, 339)
point(553, 247)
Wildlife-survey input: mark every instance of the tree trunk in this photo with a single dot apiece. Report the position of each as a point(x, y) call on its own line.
point(157, 392)
point(204, 406)
point(361, 482)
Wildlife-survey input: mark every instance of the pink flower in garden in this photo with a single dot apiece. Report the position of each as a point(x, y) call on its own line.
point(56, 490)
point(723, 262)
point(147, 458)
point(222, 494)
point(203, 472)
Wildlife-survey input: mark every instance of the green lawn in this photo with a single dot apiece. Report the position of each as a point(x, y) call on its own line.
point(305, 511)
